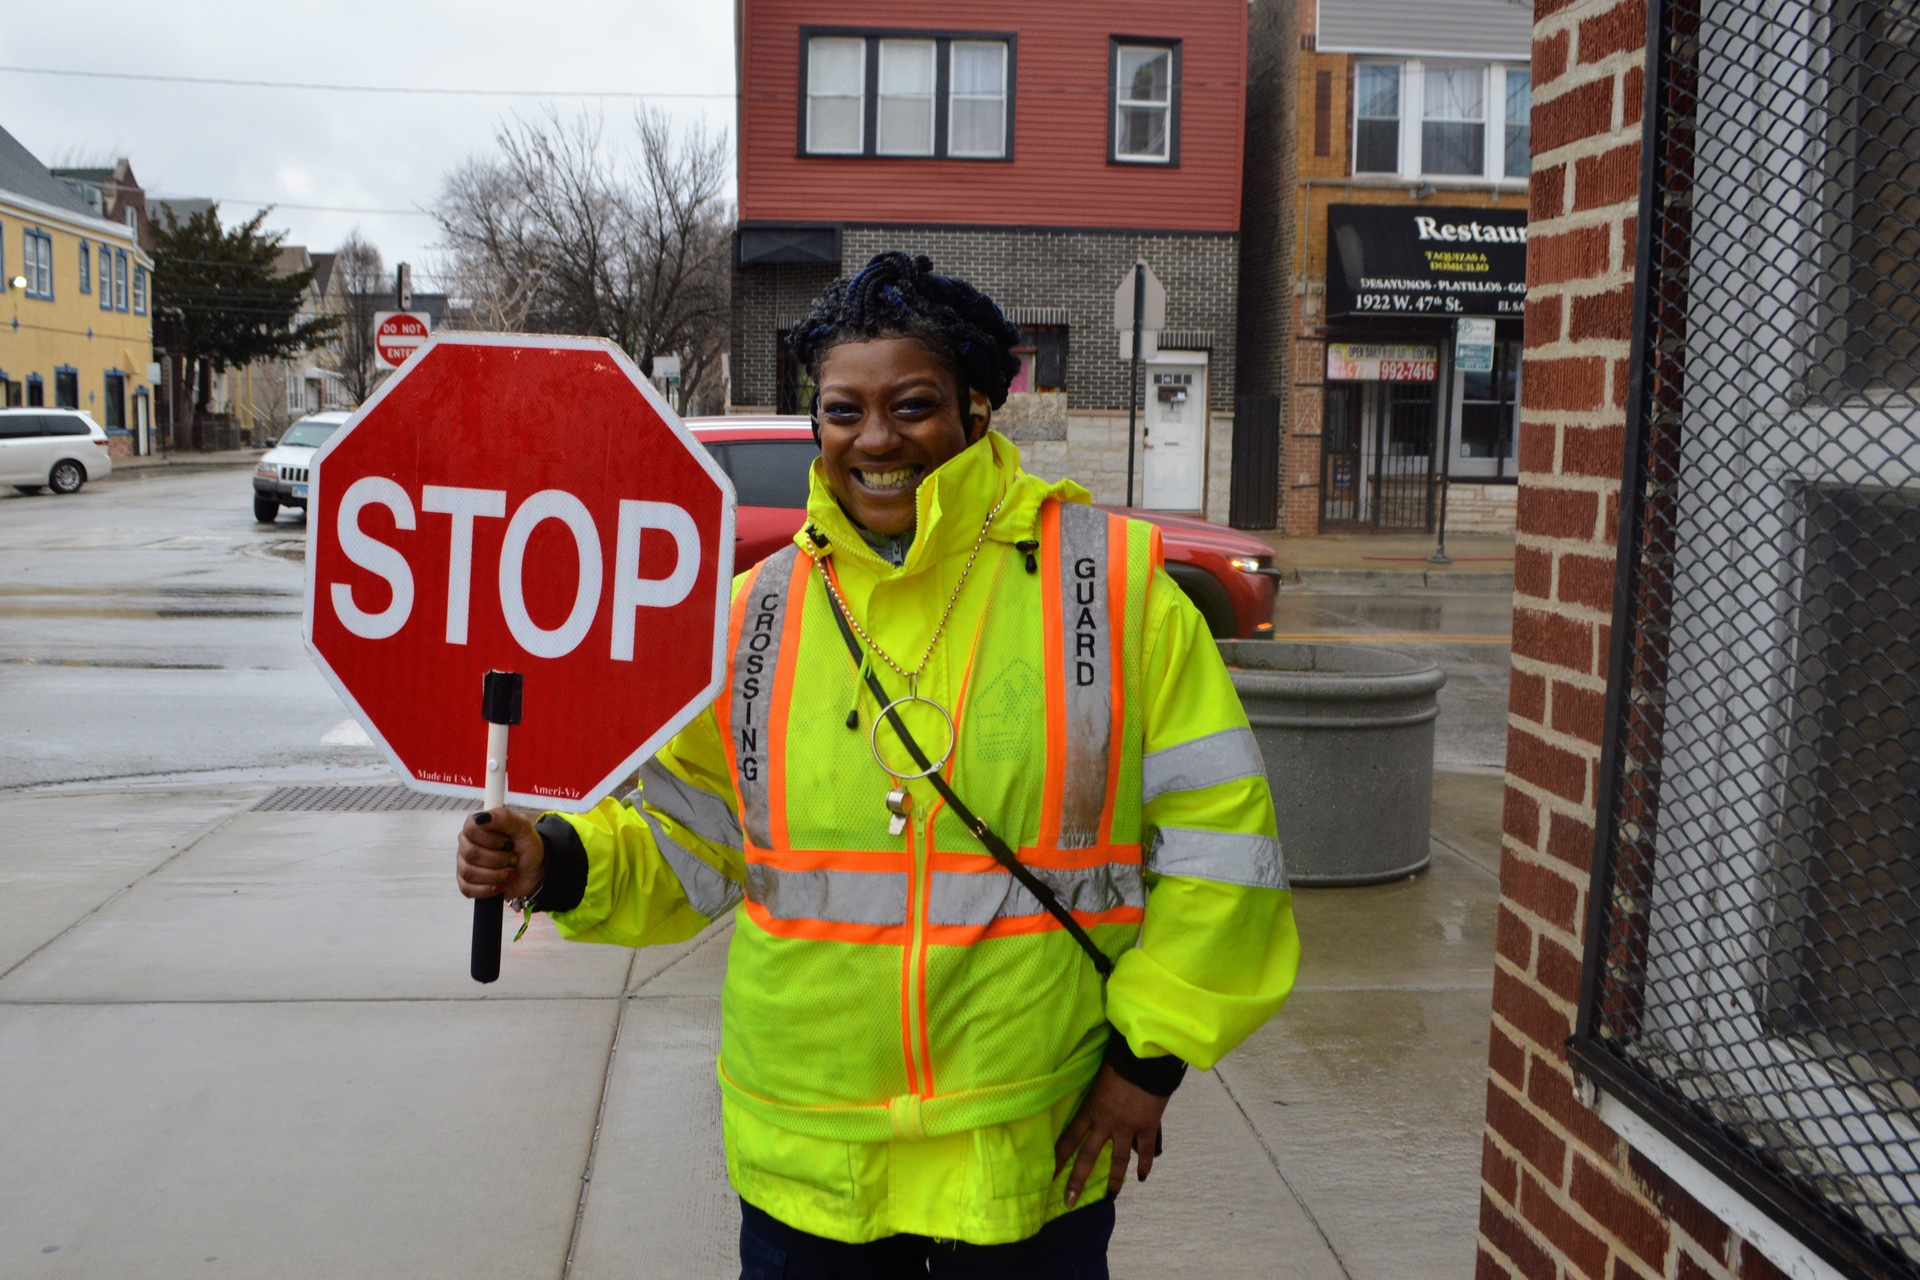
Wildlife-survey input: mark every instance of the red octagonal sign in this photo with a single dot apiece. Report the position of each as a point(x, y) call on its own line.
point(523, 504)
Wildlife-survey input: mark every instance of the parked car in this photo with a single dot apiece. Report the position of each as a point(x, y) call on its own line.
point(282, 475)
point(1228, 574)
point(57, 449)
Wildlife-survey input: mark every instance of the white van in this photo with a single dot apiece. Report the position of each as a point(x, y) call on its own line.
point(57, 449)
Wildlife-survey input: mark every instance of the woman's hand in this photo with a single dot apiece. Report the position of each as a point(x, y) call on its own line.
point(1118, 1112)
point(499, 855)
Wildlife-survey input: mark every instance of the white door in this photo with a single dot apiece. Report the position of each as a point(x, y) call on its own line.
point(1176, 439)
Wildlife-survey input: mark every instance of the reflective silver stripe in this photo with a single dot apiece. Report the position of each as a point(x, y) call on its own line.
point(980, 898)
point(1226, 756)
point(701, 812)
point(754, 660)
point(1231, 856)
point(1086, 640)
point(708, 892)
point(838, 897)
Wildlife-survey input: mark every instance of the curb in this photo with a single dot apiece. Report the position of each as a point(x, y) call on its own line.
point(121, 471)
point(1409, 579)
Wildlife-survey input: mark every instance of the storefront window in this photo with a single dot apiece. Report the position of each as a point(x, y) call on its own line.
point(1489, 404)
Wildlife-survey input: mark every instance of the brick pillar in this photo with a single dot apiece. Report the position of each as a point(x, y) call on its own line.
point(1562, 1194)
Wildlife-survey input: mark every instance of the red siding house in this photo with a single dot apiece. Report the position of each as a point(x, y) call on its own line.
point(1037, 151)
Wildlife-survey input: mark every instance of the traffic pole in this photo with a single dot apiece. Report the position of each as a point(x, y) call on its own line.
point(500, 705)
point(1133, 369)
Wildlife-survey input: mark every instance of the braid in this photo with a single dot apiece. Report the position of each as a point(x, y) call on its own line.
point(897, 295)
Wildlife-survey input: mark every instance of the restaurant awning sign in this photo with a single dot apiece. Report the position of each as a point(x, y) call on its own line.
point(1381, 362)
point(1419, 260)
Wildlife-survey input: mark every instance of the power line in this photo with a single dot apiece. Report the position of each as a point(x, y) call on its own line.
point(282, 204)
point(414, 90)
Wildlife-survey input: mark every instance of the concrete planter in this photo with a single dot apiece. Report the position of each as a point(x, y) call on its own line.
point(1347, 733)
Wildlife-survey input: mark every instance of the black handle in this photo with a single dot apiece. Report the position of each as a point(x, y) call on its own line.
point(489, 921)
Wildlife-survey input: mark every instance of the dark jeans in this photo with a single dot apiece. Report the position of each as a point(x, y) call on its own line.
point(1071, 1247)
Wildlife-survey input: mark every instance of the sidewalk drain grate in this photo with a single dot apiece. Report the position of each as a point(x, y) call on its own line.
point(359, 800)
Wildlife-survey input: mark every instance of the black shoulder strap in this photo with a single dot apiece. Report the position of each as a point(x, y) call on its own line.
point(995, 845)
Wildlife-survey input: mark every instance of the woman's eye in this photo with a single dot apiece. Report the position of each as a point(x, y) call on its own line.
point(913, 408)
point(841, 411)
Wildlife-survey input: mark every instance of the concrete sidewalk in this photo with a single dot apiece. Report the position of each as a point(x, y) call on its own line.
point(180, 462)
point(236, 1042)
point(1480, 561)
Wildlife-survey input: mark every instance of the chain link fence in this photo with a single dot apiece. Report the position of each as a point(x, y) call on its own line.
point(1753, 978)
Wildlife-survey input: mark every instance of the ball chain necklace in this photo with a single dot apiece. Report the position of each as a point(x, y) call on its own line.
point(899, 802)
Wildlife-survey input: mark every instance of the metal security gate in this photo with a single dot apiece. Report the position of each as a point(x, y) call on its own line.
point(1377, 456)
point(1752, 986)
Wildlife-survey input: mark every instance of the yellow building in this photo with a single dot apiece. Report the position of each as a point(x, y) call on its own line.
point(75, 302)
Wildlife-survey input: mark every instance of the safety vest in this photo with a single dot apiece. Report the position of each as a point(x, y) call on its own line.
point(884, 986)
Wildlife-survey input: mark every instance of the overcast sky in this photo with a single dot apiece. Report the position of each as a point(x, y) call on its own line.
point(345, 151)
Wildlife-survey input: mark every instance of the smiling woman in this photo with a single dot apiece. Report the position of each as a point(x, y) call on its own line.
point(945, 1019)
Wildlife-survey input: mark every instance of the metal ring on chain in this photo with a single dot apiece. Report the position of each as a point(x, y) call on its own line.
point(873, 738)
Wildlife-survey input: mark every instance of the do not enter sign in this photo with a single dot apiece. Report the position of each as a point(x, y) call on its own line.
point(398, 334)
point(529, 505)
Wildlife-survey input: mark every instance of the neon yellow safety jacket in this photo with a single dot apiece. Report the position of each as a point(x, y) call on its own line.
point(905, 1031)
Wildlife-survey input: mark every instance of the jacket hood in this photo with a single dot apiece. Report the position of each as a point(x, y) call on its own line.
point(949, 506)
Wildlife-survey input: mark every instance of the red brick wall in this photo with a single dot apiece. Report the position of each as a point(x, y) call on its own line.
point(1562, 1195)
point(1059, 175)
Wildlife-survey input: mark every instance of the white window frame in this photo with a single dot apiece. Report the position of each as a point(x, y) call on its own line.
point(1121, 103)
point(1413, 97)
point(954, 96)
point(1505, 73)
point(859, 98)
point(1486, 87)
point(929, 101)
point(36, 251)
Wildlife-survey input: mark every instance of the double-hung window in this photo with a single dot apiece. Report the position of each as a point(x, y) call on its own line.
point(1376, 107)
point(106, 277)
point(977, 119)
point(139, 291)
point(1146, 102)
point(86, 267)
point(908, 93)
point(1455, 121)
point(38, 263)
point(836, 94)
point(119, 279)
point(906, 98)
point(1517, 160)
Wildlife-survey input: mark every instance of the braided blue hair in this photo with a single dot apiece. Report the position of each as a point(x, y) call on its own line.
point(897, 295)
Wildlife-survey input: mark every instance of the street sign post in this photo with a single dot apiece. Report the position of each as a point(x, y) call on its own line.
point(526, 505)
point(1139, 309)
point(398, 334)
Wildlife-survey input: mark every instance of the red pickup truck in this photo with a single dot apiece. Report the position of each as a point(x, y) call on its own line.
point(1228, 574)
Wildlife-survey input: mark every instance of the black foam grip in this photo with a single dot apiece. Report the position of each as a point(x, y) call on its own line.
point(489, 921)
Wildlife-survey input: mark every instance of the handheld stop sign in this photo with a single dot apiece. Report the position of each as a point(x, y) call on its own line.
point(529, 507)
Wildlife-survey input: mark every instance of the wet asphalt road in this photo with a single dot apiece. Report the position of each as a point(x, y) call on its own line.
point(150, 630)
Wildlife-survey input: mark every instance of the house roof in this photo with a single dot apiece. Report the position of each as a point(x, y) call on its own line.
point(1417, 28)
point(182, 207)
point(291, 258)
point(23, 175)
point(322, 270)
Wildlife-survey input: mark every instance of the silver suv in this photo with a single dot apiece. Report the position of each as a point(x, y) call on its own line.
point(283, 475)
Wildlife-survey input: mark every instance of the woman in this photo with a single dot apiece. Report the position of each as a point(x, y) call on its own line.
point(976, 753)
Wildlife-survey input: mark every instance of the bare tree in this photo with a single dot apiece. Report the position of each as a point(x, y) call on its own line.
point(562, 232)
point(361, 276)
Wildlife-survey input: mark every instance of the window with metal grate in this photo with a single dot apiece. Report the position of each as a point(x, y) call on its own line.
point(1753, 972)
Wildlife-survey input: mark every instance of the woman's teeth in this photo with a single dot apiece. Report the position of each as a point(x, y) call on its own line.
point(888, 479)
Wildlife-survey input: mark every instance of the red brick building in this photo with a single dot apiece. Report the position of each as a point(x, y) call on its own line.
point(1706, 1025)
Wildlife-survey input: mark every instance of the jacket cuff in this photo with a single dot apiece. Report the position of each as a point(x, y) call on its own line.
point(1158, 1076)
point(565, 882)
